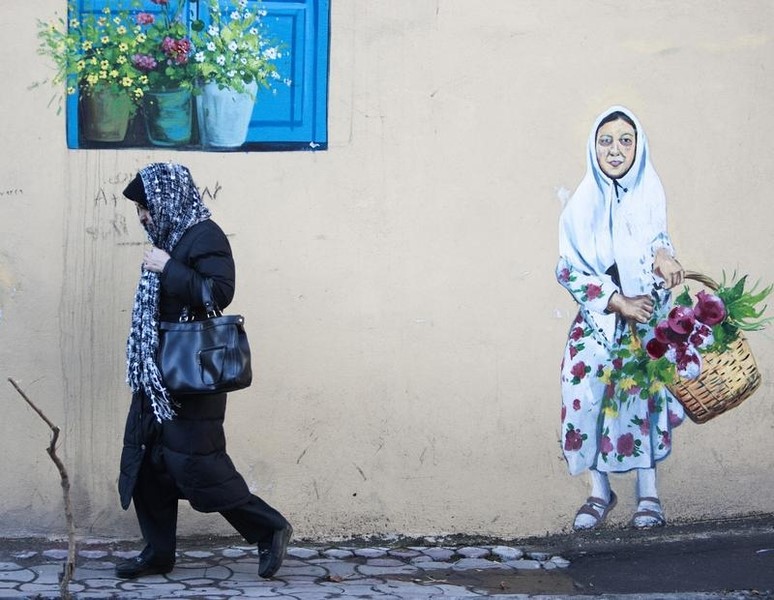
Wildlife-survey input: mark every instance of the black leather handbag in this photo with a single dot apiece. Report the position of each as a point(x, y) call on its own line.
point(204, 356)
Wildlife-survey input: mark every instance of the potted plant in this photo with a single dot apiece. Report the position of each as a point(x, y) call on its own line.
point(233, 59)
point(93, 58)
point(164, 58)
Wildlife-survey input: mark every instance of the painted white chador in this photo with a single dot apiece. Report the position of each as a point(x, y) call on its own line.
point(610, 232)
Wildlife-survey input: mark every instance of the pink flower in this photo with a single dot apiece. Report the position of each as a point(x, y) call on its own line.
point(681, 320)
point(576, 404)
point(145, 18)
point(144, 62)
point(645, 426)
point(576, 333)
point(564, 275)
point(655, 348)
point(617, 363)
point(573, 440)
point(625, 444)
point(666, 439)
point(564, 412)
point(593, 291)
point(605, 445)
point(579, 370)
point(573, 351)
point(710, 309)
point(674, 420)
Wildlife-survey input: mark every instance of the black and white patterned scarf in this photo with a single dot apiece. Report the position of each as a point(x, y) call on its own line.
point(174, 205)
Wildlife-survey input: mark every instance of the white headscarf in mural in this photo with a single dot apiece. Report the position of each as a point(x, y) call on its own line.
point(618, 222)
point(174, 205)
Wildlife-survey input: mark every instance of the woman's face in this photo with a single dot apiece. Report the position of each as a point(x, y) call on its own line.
point(616, 147)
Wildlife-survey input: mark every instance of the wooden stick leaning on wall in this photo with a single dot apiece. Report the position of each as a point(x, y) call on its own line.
point(69, 566)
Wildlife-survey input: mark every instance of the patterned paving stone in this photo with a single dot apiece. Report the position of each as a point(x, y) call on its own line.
point(404, 553)
point(303, 553)
point(560, 562)
point(523, 564)
point(385, 562)
point(477, 563)
point(371, 552)
point(439, 554)
point(24, 555)
point(508, 552)
point(9, 566)
point(473, 552)
point(198, 554)
point(55, 553)
point(92, 554)
point(19, 576)
point(434, 565)
point(233, 553)
point(373, 571)
point(338, 553)
point(47, 573)
point(306, 570)
point(538, 555)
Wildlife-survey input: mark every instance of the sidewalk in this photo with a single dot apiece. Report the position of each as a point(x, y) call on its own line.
point(704, 561)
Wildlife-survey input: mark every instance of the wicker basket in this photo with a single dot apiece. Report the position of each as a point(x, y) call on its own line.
point(726, 379)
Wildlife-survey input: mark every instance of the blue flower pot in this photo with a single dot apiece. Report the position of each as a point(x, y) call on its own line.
point(168, 117)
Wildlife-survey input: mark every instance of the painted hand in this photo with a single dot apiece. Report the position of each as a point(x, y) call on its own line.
point(667, 267)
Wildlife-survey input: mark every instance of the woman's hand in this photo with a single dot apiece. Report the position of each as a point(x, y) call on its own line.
point(637, 308)
point(667, 267)
point(155, 259)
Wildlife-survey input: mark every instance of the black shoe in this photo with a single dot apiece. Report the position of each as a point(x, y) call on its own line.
point(140, 567)
point(272, 554)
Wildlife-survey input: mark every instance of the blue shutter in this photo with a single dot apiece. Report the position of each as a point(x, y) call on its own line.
point(292, 116)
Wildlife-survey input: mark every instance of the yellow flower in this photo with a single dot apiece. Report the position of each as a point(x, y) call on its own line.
point(86, 45)
point(138, 93)
point(102, 21)
point(144, 79)
point(127, 82)
point(80, 65)
point(93, 60)
point(105, 39)
point(656, 386)
point(117, 21)
point(106, 10)
point(627, 383)
point(610, 411)
point(70, 90)
point(74, 23)
point(141, 38)
point(104, 65)
point(114, 73)
point(92, 78)
point(121, 60)
point(103, 74)
point(606, 374)
point(123, 46)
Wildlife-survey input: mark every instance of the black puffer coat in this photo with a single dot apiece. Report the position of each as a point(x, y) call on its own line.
point(191, 448)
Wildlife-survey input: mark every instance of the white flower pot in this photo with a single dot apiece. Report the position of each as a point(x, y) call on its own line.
point(224, 115)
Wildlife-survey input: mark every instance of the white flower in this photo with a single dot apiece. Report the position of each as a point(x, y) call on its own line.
point(275, 75)
point(231, 73)
point(263, 13)
point(221, 60)
point(270, 53)
point(235, 15)
point(253, 31)
point(287, 82)
point(243, 60)
point(211, 46)
point(199, 57)
point(233, 46)
point(213, 30)
point(243, 4)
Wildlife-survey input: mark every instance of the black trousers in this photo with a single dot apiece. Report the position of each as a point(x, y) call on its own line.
point(155, 501)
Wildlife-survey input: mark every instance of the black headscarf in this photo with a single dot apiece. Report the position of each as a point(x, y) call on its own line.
point(174, 205)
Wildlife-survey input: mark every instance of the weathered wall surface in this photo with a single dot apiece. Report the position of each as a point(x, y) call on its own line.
point(398, 287)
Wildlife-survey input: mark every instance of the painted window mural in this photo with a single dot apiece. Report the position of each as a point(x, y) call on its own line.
point(213, 75)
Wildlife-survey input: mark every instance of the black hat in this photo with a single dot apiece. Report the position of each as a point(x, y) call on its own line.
point(135, 191)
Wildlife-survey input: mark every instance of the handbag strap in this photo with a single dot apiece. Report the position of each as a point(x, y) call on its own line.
point(211, 308)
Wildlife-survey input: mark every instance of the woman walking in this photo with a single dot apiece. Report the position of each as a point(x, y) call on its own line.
point(175, 447)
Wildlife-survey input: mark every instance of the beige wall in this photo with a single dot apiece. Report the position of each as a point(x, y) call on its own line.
point(398, 287)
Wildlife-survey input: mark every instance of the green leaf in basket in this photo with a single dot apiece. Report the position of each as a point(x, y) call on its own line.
point(684, 299)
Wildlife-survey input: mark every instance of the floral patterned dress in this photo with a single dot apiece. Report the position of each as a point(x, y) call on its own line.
point(609, 424)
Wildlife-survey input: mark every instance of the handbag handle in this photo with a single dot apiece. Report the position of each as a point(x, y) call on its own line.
point(211, 308)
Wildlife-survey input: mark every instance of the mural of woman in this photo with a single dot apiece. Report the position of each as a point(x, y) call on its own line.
point(617, 262)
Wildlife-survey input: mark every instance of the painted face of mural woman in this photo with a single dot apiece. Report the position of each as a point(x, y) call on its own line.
point(616, 147)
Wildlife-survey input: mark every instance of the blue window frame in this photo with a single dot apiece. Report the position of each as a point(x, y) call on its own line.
point(290, 117)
